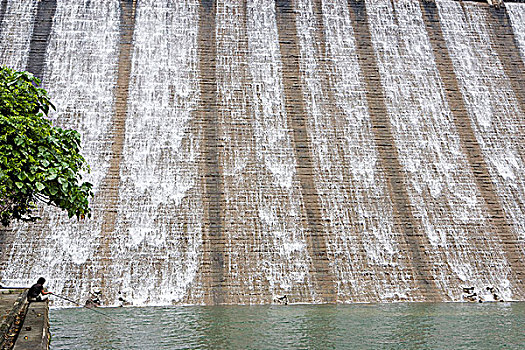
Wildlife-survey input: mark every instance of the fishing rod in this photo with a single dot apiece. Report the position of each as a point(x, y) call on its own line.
point(62, 297)
point(74, 302)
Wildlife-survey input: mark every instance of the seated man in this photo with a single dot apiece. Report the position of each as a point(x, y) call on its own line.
point(94, 299)
point(37, 292)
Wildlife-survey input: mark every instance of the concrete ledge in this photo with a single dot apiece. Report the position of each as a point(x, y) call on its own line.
point(13, 303)
point(23, 325)
point(34, 333)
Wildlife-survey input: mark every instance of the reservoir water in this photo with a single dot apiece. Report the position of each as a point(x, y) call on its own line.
point(357, 326)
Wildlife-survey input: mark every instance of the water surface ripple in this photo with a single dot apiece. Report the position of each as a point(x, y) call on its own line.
point(358, 326)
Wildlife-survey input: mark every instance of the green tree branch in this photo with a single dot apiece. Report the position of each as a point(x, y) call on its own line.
point(38, 162)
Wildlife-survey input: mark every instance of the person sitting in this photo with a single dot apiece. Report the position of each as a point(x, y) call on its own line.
point(123, 301)
point(94, 299)
point(281, 299)
point(37, 292)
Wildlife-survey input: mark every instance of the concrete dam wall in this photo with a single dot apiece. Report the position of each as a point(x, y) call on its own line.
point(240, 150)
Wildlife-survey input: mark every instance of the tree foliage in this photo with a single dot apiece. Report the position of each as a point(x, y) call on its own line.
point(38, 162)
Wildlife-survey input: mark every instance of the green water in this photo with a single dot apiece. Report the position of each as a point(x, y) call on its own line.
point(362, 326)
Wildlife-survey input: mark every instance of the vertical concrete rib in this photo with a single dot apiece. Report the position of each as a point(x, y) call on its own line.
point(337, 114)
point(3, 6)
point(468, 139)
point(507, 47)
point(40, 37)
point(213, 240)
point(322, 274)
point(109, 188)
point(396, 182)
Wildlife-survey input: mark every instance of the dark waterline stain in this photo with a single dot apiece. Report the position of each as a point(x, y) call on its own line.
point(213, 236)
point(208, 5)
point(388, 153)
point(322, 274)
point(469, 143)
point(3, 8)
point(507, 46)
point(110, 186)
point(40, 38)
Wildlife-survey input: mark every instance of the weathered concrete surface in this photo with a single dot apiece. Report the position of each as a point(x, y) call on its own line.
point(12, 303)
point(110, 186)
point(316, 243)
point(252, 235)
point(470, 144)
point(24, 325)
point(40, 38)
point(34, 333)
point(388, 152)
point(213, 263)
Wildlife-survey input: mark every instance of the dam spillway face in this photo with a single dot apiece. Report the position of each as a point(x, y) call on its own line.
point(241, 150)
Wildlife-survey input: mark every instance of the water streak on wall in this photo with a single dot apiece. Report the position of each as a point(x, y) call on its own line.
point(279, 207)
point(15, 35)
point(492, 105)
point(346, 160)
point(157, 250)
point(442, 191)
point(80, 73)
point(517, 17)
point(225, 170)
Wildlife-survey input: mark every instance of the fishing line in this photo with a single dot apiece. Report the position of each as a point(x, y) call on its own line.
point(74, 302)
point(62, 297)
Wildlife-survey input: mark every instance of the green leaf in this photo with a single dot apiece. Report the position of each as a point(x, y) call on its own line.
point(32, 150)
